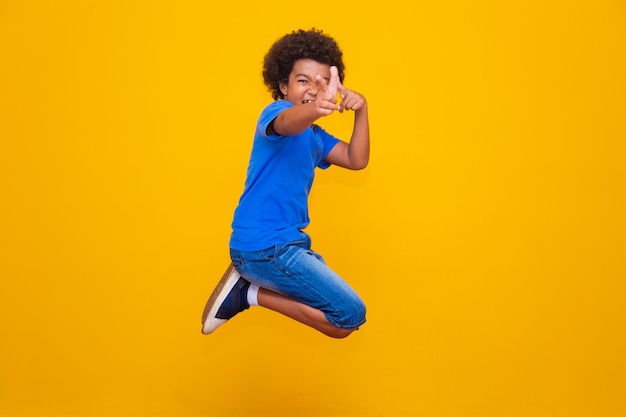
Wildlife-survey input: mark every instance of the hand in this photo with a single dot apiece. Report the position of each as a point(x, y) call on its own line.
point(326, 98)
point(326, 101)
point(351, 100)
point(327, 95)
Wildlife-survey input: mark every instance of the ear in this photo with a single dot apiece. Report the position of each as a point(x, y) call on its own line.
point(283, 87)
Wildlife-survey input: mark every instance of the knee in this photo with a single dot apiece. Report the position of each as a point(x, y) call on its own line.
point(349, 321)
point(356, 315)
point(337, 333)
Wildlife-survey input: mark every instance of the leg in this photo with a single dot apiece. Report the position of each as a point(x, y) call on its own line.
point(229, 298)
point(303, 313)
point(293, 281)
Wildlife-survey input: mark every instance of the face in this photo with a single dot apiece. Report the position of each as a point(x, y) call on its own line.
point(301, 86)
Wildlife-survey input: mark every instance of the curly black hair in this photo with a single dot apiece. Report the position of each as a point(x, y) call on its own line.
point(310, 44)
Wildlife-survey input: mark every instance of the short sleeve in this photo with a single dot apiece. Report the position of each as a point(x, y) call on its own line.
point(268, 114)
point(328, 141)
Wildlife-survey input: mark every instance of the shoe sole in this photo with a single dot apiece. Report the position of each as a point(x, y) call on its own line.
point(219, 294)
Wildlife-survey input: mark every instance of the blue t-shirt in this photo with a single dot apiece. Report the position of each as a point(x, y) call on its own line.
point(273, 208)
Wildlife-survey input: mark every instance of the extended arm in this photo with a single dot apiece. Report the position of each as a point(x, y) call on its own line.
point(319, 99)
point(297, 118)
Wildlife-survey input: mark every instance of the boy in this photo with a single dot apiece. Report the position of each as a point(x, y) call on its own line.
point(273, 265)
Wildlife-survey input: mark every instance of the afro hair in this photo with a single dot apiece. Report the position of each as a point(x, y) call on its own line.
point(310, 44)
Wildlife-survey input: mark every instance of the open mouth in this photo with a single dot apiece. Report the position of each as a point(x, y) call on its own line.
point(306, 101)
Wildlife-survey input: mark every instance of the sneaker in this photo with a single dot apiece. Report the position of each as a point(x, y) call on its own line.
point(229, 298)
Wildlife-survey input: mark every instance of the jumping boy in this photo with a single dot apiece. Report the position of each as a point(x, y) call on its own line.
point(273, 265)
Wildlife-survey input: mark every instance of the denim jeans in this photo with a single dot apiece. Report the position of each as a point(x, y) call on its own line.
point(295, 271)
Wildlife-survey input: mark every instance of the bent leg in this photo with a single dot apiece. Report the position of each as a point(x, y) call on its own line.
point(302, 313)
point(296, 282)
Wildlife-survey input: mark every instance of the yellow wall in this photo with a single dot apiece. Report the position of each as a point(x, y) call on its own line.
point(488, 235)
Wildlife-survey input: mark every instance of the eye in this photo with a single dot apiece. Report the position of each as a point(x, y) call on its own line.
point(303, 81)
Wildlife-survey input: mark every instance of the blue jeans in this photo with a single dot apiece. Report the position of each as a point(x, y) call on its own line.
point(295, 271)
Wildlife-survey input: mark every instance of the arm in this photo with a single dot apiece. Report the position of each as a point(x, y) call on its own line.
point(298, 118)
point(353, 155)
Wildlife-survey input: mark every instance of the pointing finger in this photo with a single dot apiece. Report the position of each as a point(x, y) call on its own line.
point(320, 83)
point(334, 83)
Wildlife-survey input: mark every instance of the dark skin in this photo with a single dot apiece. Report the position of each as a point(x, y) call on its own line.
point(313, 87)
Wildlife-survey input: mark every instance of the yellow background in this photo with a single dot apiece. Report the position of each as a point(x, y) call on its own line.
point(487, 236)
